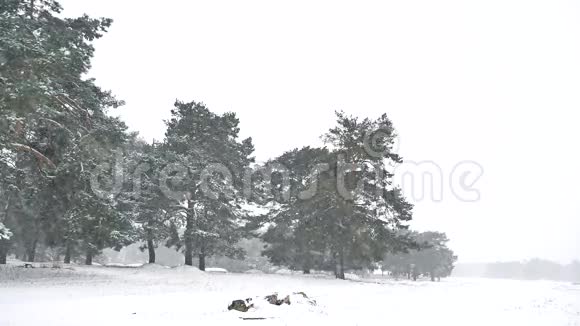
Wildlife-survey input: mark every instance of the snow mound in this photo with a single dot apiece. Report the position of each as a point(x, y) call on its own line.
point(216, 270)
point(188, 269)
point(254, 271)
point(154, 267)
point(284, 271)
point(352, 277)
point(124, 265)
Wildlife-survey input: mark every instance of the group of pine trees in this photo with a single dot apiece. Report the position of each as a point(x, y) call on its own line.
point(74, 181)
point(341, 210)
point(432, 258)
point(54, 129)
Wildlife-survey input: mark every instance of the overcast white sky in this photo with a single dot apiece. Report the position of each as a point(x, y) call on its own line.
point(495, 82)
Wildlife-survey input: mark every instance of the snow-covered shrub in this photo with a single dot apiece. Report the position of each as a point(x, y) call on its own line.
point(5, 234)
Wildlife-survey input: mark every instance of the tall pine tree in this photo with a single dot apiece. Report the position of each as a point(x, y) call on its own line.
point(206, 146)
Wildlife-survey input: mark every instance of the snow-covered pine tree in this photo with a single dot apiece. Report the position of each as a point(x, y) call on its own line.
point(49, 112)
point(207, 147)
point(369, 208)
point(338, 224)
point(295, 234)
point(151, 209)
point(435, 259)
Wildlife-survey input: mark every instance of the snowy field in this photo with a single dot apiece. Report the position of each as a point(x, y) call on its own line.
point(154, 295)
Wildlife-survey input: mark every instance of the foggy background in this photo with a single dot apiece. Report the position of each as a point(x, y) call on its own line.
point(491, 82)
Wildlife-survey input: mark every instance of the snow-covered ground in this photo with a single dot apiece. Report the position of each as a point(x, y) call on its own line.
point(155, 295)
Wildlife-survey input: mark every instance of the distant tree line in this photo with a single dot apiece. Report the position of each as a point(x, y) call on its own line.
point(74, 181)
point(533, 269)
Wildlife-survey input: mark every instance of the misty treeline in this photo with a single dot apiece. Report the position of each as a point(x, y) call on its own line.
point(74, 181)
point(533, 269)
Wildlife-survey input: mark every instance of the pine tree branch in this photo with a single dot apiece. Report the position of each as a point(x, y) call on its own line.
point(39, 156)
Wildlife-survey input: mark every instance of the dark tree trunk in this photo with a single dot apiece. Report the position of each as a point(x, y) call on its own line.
point(68, 252)
point(3, 252)
point(188, 235)
point(341, 265)
point(5, 244)
point(151, 249)
point(31, 9)
point(201, 262)
point(150, 244)
point(335, 261)
point(31, 251)
point(432, 274)
point(188, 256)
point(89, 258)
point(306, 266)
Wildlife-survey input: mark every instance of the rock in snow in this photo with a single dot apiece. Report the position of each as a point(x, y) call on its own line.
point(273, 299)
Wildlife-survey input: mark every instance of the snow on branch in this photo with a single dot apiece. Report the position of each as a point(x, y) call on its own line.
point(5, 234)
point(39, 156)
